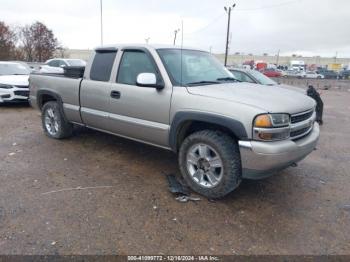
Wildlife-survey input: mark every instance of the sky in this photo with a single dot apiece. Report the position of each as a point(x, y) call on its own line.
point(302, 27)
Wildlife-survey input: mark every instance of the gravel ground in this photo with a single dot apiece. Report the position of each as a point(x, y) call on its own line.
point(343, 85)
point(117, 201)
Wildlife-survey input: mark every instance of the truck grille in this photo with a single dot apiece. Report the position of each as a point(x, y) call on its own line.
point(22, 93)
point(299, 132)
point(301, 117)
point(302, 124)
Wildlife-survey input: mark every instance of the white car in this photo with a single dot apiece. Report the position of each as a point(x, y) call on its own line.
point(283, 73)
point(14, 85)
point(56, 65)
point(311, 74)
point(291, 73)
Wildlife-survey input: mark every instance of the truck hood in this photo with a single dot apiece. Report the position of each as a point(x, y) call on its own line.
point(14, 80)
point(273, 99)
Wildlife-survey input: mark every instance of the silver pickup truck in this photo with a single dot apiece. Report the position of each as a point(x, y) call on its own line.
point(186, 101)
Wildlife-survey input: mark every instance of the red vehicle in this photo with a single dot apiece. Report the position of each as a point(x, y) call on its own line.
point(270, 72)
point(261, 66)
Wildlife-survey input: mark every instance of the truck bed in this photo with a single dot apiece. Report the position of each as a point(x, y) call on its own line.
point(68, 89)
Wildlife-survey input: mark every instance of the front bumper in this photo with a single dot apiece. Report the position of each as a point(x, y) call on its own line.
point(263, 159)
point(14, 94)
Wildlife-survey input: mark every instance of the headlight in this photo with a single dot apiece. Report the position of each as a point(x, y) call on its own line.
point(5, 86)
point(270, 127)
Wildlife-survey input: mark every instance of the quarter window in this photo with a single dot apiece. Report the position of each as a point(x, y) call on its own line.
point(132, 64)
point(102, 65)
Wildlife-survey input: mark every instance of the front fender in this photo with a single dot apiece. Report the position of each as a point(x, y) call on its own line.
point(182, 117)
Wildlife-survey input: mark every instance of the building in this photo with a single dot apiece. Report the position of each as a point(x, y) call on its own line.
point(235, 59)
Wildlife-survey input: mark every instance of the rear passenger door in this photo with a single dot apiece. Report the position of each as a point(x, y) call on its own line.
point(139, 112)
point(95, 90)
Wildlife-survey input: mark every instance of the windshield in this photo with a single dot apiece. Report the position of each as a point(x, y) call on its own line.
point(76, 62)
point(13, 69)
point(197, 67)
point(262, 79)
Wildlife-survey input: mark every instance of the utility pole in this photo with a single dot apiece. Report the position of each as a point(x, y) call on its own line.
point(335, 58)
point(175, 32)
point(228, 11)
point(101, 23)
point(278, 57)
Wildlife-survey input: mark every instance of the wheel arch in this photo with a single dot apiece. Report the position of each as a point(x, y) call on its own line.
point(185, 123)
point(44, 96)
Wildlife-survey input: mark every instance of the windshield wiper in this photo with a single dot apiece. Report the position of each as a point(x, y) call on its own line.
point(228, 79)
point(203, 83)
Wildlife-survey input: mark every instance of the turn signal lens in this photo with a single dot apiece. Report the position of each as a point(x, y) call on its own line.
point(263, 121)
point(271, 127)
point(266, 136)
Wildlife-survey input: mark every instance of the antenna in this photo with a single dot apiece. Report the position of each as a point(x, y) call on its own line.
point(182, 33)
point(101, 22)
point(182, 42)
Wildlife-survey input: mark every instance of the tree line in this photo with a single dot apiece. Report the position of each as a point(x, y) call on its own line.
point(32, 43)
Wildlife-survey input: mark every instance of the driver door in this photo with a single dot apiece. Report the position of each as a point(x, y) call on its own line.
point(140, 113)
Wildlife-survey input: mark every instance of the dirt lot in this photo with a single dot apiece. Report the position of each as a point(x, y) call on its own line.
point(340, 85)
point(302, 210)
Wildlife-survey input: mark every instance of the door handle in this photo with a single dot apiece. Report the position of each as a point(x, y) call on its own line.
point(115, 94)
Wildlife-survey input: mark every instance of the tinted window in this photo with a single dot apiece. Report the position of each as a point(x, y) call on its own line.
point(53, 63)
point(132, 64)
point(102, 66)
point(61, 63)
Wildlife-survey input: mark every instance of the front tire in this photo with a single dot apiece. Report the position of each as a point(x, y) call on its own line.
point(54, 123)
point(210, 163)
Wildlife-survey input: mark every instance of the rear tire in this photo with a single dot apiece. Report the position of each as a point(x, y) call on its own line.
point(54, 123)
point(214, 172)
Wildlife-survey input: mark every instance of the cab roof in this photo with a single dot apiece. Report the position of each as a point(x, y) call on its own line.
point(146, 46)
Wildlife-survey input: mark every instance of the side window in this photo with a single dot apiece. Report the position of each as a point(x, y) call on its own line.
point(247, 79)
point(242, 77)
point(53, 63)
point(61, 63)
point(237, 75)
point(132, 64)
point(101, 67)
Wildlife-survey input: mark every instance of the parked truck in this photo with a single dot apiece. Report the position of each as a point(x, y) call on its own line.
point(335, 67)
point(185, 101)
point(297, 65)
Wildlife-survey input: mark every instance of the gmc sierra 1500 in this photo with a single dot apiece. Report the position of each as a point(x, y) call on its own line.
point(186, 101)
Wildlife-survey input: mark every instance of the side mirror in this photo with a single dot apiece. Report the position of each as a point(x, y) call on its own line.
point(62, 66)
point(148, 80)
